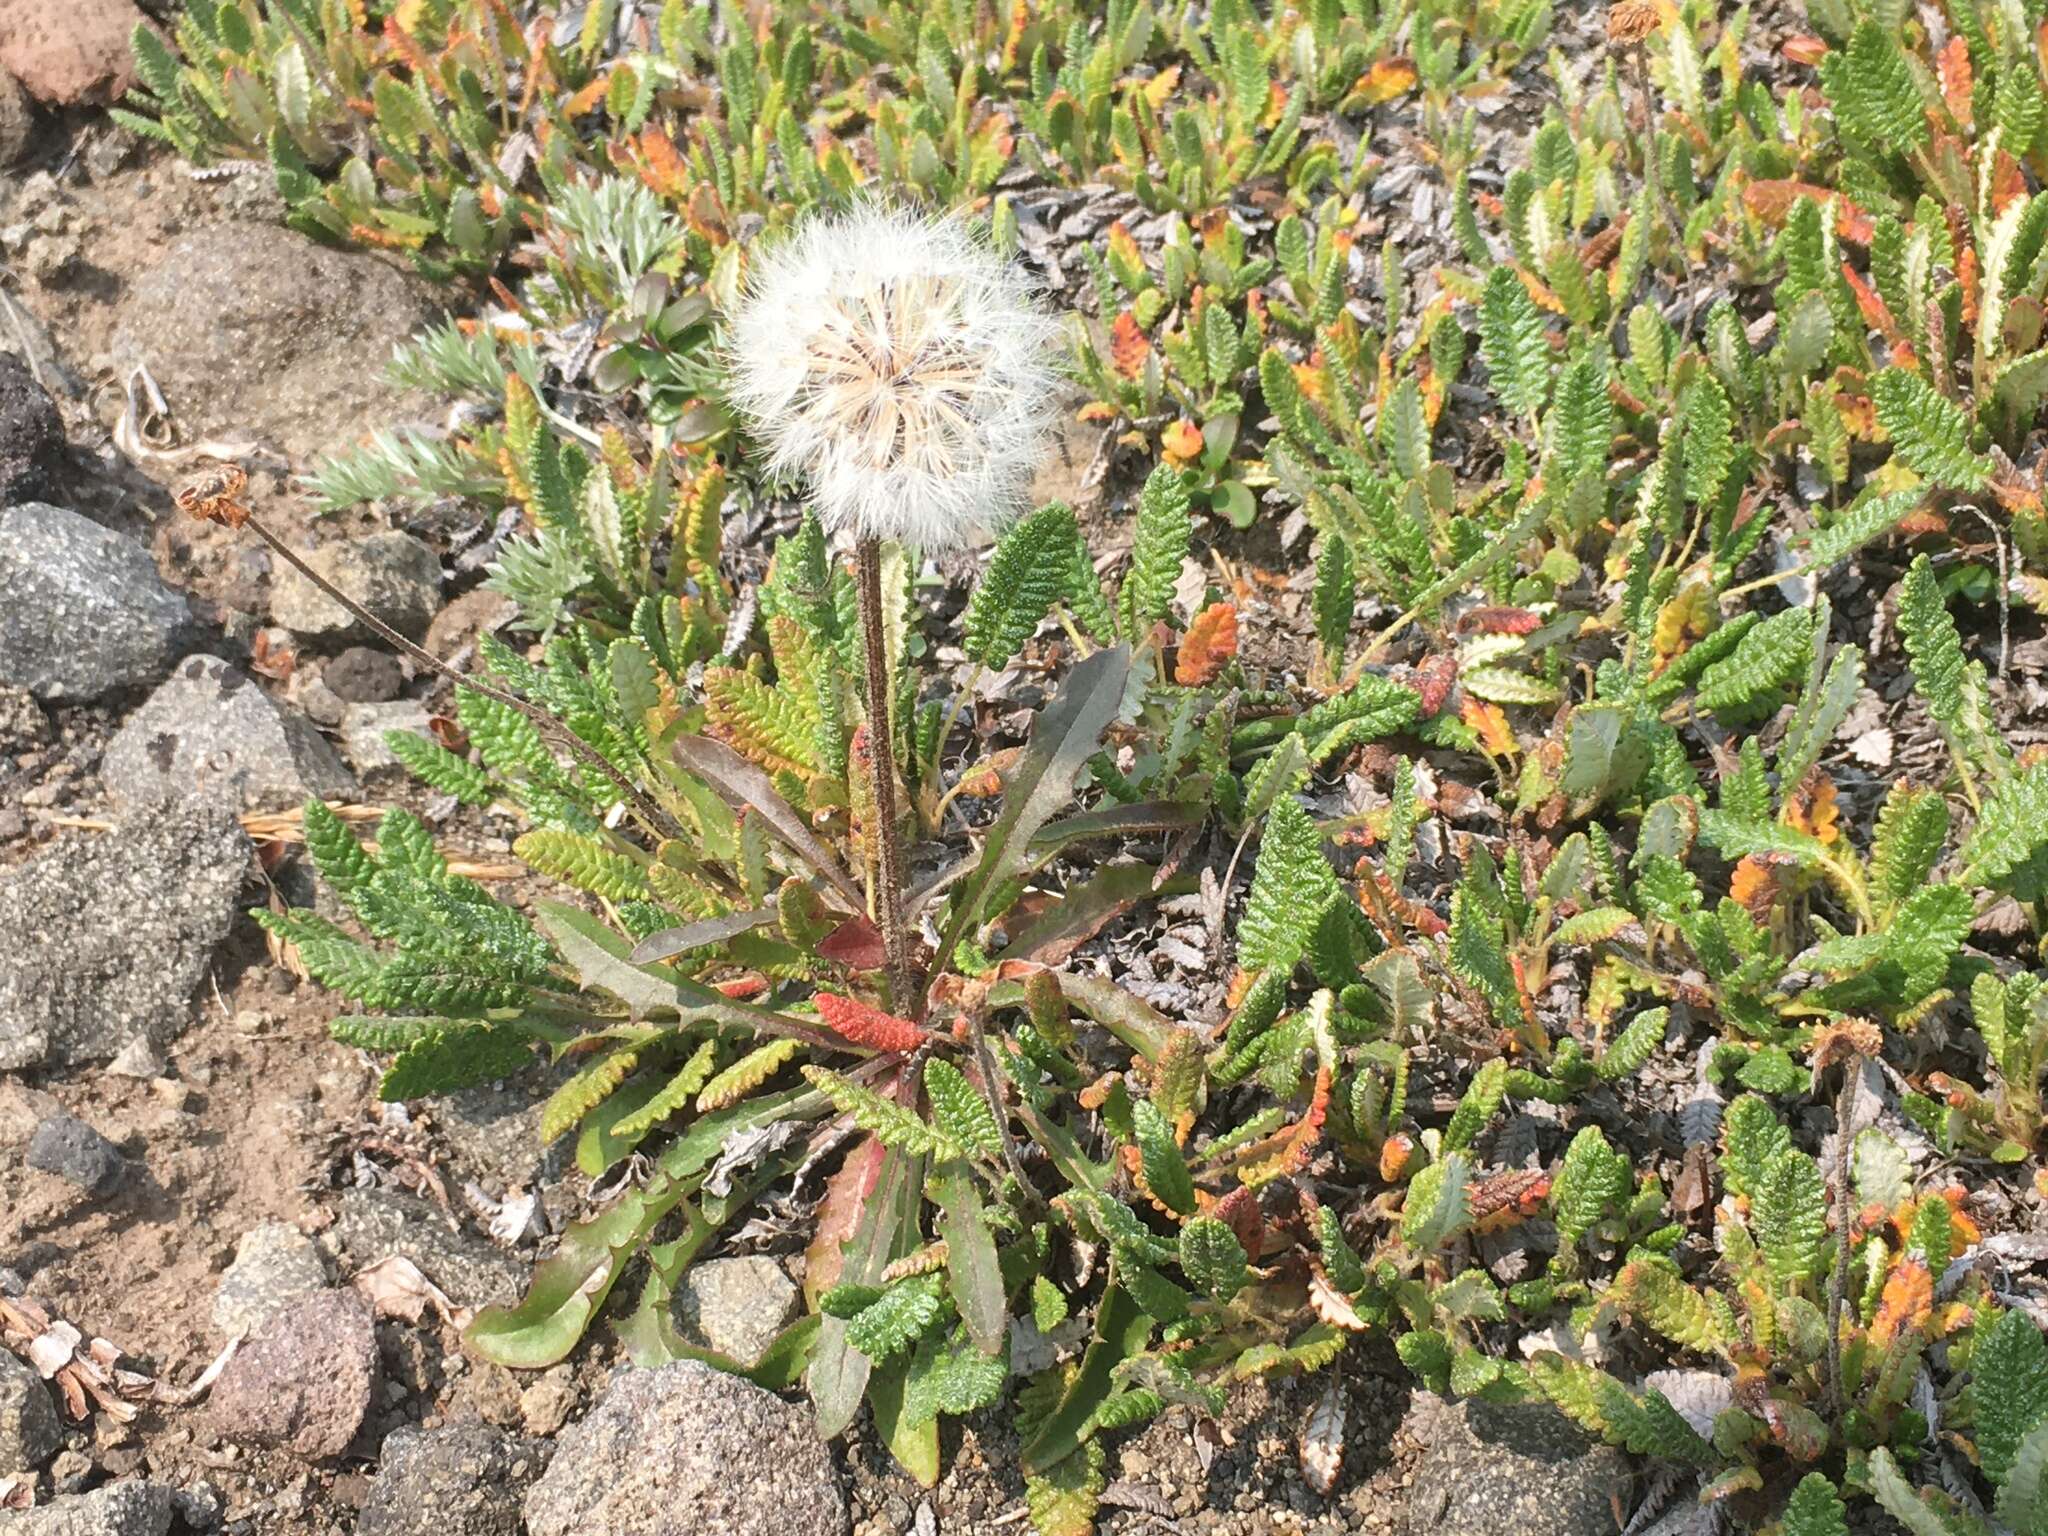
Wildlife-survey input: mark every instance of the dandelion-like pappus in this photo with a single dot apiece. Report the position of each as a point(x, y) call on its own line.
point(899, 367)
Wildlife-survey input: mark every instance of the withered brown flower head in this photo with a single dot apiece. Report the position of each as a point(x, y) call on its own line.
point(1630, 21)
point(214, 495)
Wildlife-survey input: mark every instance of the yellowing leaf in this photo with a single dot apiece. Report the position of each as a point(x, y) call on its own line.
point(1181, 443)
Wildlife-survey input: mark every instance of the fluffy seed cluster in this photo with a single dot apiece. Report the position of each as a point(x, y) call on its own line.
point(900, 367)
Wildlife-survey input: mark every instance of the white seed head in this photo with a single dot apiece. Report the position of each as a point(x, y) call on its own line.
point(900, 367)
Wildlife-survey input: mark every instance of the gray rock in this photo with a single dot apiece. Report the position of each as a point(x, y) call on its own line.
point(31, 431)
point(275, 1264)
point(138, 1059)
point(393, 576)
point(253, 330)
point(86, 610)
point(463, 1480)
point(363, 727)
point(211, 733)
point(305, 1379)
point(1686, 1517)
point(1513, 1467)
point(96, 953)
point(360, 675)
point(29, 1431)
point(66, 1146)
point(118, 1509)
point(736, 1306)
point(374, 1224)
point(688, 1451)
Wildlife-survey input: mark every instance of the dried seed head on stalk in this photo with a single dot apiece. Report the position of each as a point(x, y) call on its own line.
point(900, 367)
point(1630, 21)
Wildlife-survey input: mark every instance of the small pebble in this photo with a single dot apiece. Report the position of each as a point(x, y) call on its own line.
point(72, 1150)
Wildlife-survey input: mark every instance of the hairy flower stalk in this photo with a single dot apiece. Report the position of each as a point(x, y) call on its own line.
point(898, 367)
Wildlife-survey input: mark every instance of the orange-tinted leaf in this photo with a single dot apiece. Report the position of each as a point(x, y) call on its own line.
point(1804, 49)
point(1122, 248)
point(1490, 724)
point(1753, 886)
point(2008, 182)
point(1812, 809)
point(1128, 346)
point(1772, 200)
point(1181, 442)
point(1210, 642)
point(1386, 79)
point(1503, 1199)
point(1952, 68)
point(863, 1024)
point(1298, 1141)
point(987, 779)
point(661, 165)
point(1395, 1153)
point(1907, 1302)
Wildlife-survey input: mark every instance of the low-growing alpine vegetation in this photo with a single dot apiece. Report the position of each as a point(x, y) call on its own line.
point(1617, 1014)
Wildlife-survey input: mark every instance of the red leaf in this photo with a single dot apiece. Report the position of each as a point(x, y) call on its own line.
point(856, 943)
point(1500, 621)
point(1239, 1211)
point(862, 1024)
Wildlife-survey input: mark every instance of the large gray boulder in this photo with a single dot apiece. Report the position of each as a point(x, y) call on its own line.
point(85, 610)
point(211, 733)
point(688, 1451)
point(109, 933)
